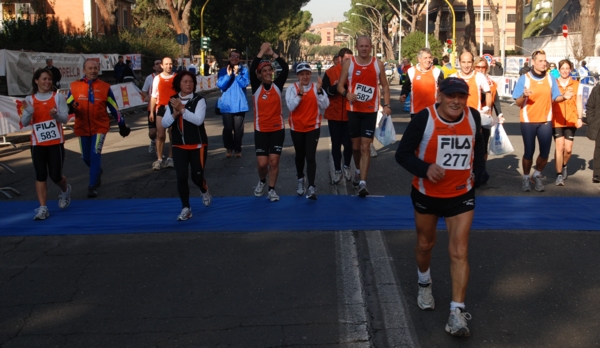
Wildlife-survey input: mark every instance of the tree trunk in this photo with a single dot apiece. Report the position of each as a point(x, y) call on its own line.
point(470, 44)
point(180, 15)
point(107, 10)
point(494, 15)
point(588, 27)
point(438, 21)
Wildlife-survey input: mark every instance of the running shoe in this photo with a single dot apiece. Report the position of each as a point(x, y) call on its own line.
point(373, 151)
point(152, 147)
point(356, 180)
point(559, 180)
point(64, 198)
point(186, 213)
point(92, 193)
point(273, 197)
point(169, 163)
point(157, 165)
point(41, 213)
point(596, 179)
point(260, 189)
point(362, 189)
point(99, 180)
point(564, 173)
point(337, 177)
point(539, 185)
point(238, 154)
point(206, 198)
point(347, 173)
point(526, 184)
point(228, 153)
point(312, 193)
point(300, 190)
point(425, 298)
point(457, 323)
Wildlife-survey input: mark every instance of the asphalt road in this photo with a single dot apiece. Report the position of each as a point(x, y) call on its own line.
point(313, 288)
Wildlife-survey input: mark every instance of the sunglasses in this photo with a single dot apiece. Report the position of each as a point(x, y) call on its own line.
point(480, 66)
point(535, 53)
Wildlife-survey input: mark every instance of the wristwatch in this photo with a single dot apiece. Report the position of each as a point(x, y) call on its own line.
point(386, 105)
point(345, 93)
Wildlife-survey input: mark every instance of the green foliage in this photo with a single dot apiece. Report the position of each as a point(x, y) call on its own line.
point(312, 39)
point(413, 42)
point(535, 27)
point(324, 50)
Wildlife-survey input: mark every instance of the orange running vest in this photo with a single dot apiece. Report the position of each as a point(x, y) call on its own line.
point(45, 130)
point(364, 83)
point(307, 116)
point(268, 115)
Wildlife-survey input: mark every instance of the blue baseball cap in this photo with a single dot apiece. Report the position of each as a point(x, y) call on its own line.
point(452, 85)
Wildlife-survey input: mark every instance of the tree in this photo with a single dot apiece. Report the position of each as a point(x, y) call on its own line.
point(470, 42)
point(180, 17)
point(292, 28)
point(413, 42)
point(494, 14)
point(538, 19)
point(587, 18)
point(307, 41)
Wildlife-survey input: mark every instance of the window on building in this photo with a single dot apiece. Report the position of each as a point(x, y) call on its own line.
point(328, 38)
point(486, 16)
point(511, 18)
point(125, 18)
point(460, 16)
point(510, 40)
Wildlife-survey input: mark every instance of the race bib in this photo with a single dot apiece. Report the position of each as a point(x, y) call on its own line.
point(46, 131)
point(454, 152)
point(363, 92)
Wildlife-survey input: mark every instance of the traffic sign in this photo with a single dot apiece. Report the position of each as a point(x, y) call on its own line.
point(181, 39)
point(565, 30)
point(488, 57)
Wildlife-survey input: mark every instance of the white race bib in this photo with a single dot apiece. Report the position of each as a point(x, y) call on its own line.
point(454, 152)
point(363, 92)
point(46, 131)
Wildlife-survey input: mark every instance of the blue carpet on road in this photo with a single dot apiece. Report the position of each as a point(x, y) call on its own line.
point(252, 214)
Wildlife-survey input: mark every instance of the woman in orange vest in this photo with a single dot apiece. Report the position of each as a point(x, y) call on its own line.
point(481, 65)
point(46, 111)
point(566, 118)
point(306, 102)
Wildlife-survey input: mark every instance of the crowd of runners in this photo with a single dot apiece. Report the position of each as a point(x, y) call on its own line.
point(444, 145)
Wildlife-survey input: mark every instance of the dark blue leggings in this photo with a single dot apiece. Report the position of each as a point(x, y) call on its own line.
point(543, 132)
point(340, 136)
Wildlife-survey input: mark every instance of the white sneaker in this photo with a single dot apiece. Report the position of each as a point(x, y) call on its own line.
point(300, 190)
point(457, 323)
point(362, 189)
point(564, 173)
point(64, 198)
point(41, 213)
point(337, 177)
point(206, 198)
point(185, 214)
point(152, 147)
point(347, 173)
point(312, 193)
point(169, 163)
point(539, 184)
point(373, 151)
point(157, 165)
point(260, 189)
point(559, 180)
point(425, 298)
point(273, 197)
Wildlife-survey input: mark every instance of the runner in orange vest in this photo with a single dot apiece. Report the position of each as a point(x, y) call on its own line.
point(422, 81)
point(162, 91)
point(47, 111)
point(442, 147)
point(363, 74)
point(146, 93)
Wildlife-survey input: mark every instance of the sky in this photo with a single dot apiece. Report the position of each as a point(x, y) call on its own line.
point(327, 10)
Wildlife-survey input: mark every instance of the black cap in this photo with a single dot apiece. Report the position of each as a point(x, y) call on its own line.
point(454, 85)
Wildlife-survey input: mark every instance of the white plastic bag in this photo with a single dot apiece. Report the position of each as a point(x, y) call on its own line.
point(487, 121)
point(499, 143)
point(385, 132)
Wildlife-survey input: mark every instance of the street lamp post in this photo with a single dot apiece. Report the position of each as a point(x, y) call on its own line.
point(380, 25)
point(202, 32)
point(368, 19)
point(350, 35)
point(399, 31)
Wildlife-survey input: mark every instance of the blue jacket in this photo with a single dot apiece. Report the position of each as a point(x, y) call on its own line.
point(233, 99)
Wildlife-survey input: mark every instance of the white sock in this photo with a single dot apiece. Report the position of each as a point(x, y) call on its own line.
point(358, 171)
point(454, 305)
point(536, 173)
point(424, 277)
point(363, 182)
point(525, 176)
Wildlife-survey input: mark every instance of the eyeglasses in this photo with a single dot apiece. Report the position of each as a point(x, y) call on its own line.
point(535, 53)
point(234, 57)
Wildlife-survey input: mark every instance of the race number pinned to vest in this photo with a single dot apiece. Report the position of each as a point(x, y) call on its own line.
point(363, 92)
point(454, 152)
point(46, 131)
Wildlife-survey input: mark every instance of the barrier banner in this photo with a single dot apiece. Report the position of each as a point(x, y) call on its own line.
point(20, 67)
point(506, 85)
point(11, 110)
point(108, 61)
point(206, 82)
point(127, 95)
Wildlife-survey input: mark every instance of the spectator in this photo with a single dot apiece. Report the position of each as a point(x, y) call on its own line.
point(496, 68)
point(525, 69)
point(206, 68)
point(56, 76)
point(128, 75)
point(119, 67)
point(584, 72)
point(192, 68)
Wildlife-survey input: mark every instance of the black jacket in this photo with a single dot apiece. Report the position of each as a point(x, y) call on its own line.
point(592, 114)
point(184, 132)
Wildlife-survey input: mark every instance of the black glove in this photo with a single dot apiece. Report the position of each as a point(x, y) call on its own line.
point(124, 130)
